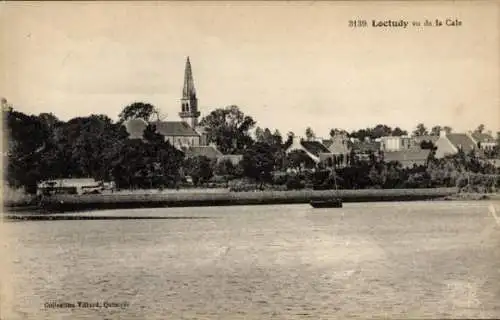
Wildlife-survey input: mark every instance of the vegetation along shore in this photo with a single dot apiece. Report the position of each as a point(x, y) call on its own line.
point(227, 151)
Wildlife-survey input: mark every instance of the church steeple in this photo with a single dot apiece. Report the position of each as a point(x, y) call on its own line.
point(189, 102)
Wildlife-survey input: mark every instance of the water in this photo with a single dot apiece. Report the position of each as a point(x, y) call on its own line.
point(395, 260)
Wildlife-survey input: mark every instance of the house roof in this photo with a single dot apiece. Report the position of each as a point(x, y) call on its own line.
point(406, 155)
point(314, 147)
point(430, 138)
point(208, 151)
point(175, 128)
point(482, 137)
point(461, 140)
point(327, 143)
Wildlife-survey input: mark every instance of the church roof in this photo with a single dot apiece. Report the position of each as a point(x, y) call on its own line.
point(175, 128)
point(188, 90)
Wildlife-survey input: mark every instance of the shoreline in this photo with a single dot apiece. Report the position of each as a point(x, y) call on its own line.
point(68, 203)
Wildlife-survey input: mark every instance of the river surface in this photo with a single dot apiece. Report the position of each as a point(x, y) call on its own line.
point(387, 260)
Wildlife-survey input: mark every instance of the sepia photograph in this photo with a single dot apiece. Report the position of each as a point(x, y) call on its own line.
point(250, 160)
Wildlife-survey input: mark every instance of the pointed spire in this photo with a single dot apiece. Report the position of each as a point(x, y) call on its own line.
point(188, 91)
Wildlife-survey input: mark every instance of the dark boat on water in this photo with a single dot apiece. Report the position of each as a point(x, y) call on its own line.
point(327, 203)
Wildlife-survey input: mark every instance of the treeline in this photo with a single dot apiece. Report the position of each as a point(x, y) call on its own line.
point(42, 147)
point(465, 171)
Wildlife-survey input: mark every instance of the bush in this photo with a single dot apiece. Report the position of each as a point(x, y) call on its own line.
point(478, 183)
point(241, 186)
point(295, 183)
point(280, 178)
point(218, 179)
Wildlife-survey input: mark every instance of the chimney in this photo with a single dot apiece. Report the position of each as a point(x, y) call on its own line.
point(297, 139)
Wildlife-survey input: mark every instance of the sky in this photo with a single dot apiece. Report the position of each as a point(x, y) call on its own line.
point(289, 65)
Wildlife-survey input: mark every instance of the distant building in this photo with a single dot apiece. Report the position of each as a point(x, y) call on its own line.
point(339, 144)
point(186, 135)
point(69, 186)
point(452, 143)
point(363, 149)
point(408, 158)
point(484, 141)
point(313, 149)
point(396, 143)
point(179, 133)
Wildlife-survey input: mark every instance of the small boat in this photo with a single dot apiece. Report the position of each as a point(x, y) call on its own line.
point(335, 202)
point(327, 203)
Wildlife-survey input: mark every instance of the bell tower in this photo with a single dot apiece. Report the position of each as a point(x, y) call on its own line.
point(189, 102)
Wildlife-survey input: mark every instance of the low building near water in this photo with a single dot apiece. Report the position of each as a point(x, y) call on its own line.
point(69, 186)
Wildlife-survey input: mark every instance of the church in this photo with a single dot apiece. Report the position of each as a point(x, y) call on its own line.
point(185, 133)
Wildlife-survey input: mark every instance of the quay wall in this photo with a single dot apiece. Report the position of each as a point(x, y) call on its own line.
point(151, 200)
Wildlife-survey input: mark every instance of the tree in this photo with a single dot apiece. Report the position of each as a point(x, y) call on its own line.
point(229, 129)
point(265, 135)
point(336, 131)
point(258, 163)
point(427, 145)
point(151, 135)
point(289, 138)
point(479, 128)
point(49, 120)
point(199, 168)
point(278, 139)
point(144, 164)
point(298, 159)
point(397, 132)
point(139, 110)
point(380, 130)
point(81, 143)
point(226, 169)
point(421, 130)
point(435, 130)
point(310, 134)
point(361, 134)
point(27, 138)
point(259, 134)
